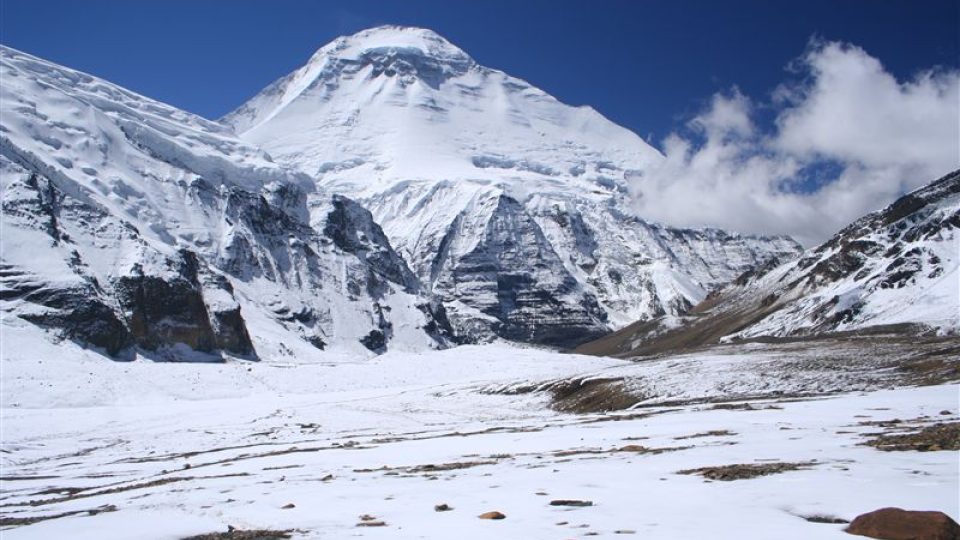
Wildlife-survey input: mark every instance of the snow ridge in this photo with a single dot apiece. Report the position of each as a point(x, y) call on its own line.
point(133, 227)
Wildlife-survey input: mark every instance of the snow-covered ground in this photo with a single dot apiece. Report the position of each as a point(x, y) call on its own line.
point(172, 450)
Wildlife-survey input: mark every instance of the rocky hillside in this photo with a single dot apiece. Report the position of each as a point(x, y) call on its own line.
point(892, 270)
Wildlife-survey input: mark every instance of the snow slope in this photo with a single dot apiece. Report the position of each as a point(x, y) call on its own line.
point(129, 225)
point(507, 204)
point(169, 451)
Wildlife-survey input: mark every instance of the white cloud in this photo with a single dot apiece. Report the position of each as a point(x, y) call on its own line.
point(847, 119)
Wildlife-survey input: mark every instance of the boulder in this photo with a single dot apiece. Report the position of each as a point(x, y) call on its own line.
point(492, 515)
point(900, 524)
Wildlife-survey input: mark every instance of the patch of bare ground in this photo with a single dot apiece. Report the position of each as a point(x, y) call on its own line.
point(431, 467)
point(59, 491)
point(85, 493)
point(592, 395)
point(281, 467)
point(620, 417)
point(744, 471)
point(712, 433)
point(15, 521)
point(935, 367)
point(630, 448)
point(578, 395)
point(187, 455)
point(877, 357)
point(933, 438)
point(243, 534)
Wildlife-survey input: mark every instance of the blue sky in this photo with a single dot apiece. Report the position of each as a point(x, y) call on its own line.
point(648, 65)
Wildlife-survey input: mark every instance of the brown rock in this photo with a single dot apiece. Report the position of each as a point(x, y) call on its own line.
point(900, 524)
point(492, 515)
point(442, 508)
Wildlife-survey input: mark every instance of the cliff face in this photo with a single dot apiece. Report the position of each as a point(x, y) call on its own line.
point(132, 226)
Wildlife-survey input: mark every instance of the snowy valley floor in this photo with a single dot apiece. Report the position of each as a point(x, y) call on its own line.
point(174, 450)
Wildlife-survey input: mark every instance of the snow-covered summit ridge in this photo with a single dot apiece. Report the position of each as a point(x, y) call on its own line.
point(423, 40)
point(379, 84)
point(408, 53)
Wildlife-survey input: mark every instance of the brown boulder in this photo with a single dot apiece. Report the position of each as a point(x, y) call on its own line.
point(492, 515)
point(900, 524)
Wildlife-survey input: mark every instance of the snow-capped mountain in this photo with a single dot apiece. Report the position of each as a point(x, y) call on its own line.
point(893, 270)
point(129, 223)
point(509, 205)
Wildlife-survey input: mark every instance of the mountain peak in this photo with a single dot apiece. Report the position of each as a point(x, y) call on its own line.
point(385, 39)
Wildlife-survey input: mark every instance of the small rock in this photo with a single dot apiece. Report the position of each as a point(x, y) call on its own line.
point(945, 412)
point(624, 531)
point(327, 478)
point(442, 508)
point(492, 515)
point(288, 506)
point(367, 517)
point(570, 502)
point(375, 523)
point(900, 524)
point(825, 519)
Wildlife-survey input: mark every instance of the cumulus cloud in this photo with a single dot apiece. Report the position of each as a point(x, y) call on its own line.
point(846, 139)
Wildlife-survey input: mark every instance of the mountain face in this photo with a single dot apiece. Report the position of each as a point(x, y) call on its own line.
point(131, 225)
point(509, 206)
point(894, 269)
